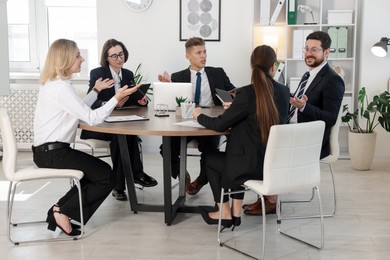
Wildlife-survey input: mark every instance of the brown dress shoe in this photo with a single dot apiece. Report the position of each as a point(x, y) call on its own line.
point(253, 205)
point(194, 187)
point(270, 208)
point(188, 180)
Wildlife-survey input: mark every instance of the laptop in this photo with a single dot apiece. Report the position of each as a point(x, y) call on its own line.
point(166, 93)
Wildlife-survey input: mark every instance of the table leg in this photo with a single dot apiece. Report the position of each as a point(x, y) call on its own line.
point(183, 166)
point(126, 164)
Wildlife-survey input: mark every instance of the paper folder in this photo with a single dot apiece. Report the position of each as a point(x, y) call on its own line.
point(292, 12)
point(276, 13)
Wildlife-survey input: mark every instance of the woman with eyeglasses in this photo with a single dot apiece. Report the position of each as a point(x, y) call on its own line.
point(114, 55)
point(58, 112)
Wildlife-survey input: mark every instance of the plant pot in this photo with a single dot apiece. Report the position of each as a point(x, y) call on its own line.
point(178, 111)
point(361, 148)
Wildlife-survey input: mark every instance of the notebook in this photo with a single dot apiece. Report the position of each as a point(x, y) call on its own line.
point(166, 93)
point(113, 119)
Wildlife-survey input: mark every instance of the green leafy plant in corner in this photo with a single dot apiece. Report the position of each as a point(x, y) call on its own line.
point(379, 106)
point(180, 100)
point(138, 79)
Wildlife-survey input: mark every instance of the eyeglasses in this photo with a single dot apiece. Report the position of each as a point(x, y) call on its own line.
point(115, 56)
point(312, 50)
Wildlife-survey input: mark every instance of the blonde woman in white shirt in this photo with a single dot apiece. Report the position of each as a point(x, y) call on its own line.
point(58, 112)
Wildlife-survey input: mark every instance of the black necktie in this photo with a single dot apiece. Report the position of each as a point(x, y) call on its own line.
point(301, 90)
point(197, 90)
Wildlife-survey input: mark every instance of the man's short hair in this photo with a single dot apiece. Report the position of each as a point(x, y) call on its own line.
point(194, 41)
point(323, 37)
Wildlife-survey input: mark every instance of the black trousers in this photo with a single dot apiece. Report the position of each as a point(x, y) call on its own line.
point(206, 145)
point(215, 168)
point(96, 185)
point(134, 151)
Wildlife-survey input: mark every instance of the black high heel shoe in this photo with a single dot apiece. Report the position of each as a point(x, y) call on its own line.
point(226, 223)
point(236, 222)
point(52, 225)
point(51, 212)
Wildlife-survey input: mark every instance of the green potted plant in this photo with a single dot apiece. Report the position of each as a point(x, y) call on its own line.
point(361, 123)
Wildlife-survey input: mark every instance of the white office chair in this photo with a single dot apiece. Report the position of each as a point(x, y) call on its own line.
point(331, 158)
point(93, 144)
point(16, 177)
point(290, 164)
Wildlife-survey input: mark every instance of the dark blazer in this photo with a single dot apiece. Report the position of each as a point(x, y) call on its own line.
point(244, 150)
point(107, 94)
point(216, 76)
point(325, 95)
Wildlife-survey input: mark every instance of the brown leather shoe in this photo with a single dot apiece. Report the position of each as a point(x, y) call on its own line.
point(270, 208)
point(253, 205)
point(188, 180)
point(195, 187)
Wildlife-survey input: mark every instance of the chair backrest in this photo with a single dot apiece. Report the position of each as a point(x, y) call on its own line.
point(334, 140)
point(292, 157)
point(10, 150)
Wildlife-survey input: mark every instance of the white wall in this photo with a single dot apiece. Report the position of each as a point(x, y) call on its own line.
point(152, 38)
point(375, 71)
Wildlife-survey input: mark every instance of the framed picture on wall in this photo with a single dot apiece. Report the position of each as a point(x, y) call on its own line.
point(200, 18)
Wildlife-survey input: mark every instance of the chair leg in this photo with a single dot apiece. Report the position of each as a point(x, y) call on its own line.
point(10, 202)
point(222, 244)
point(321, 216)
point(312, 197)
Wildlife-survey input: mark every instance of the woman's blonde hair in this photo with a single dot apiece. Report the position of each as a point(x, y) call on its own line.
point(60, 58)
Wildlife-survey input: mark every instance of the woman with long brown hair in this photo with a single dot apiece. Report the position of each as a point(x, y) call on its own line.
point(254, 110)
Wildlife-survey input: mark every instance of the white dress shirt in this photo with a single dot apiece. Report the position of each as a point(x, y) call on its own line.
point(117, 78)
point(206, 99)
point(313, 74)
point(59, 110)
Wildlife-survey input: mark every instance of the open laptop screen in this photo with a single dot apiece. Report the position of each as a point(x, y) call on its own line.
point(166, 93)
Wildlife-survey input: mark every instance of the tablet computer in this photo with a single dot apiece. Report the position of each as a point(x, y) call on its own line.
point(224, 95)
point(141, 92)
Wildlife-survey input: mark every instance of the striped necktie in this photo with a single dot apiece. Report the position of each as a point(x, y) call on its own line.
point(301, 90)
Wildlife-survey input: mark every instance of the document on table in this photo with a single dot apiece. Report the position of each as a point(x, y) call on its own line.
point(190, 123)
point(112, 119)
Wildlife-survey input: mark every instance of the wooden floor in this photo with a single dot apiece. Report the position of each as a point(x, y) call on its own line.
point(360, 230)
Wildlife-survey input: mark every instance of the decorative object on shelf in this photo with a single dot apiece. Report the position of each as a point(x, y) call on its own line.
point(138, 5)
point(362, 139)
point(380, 48)
point(339, 70)
point(200, 18)
point(307, 9)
